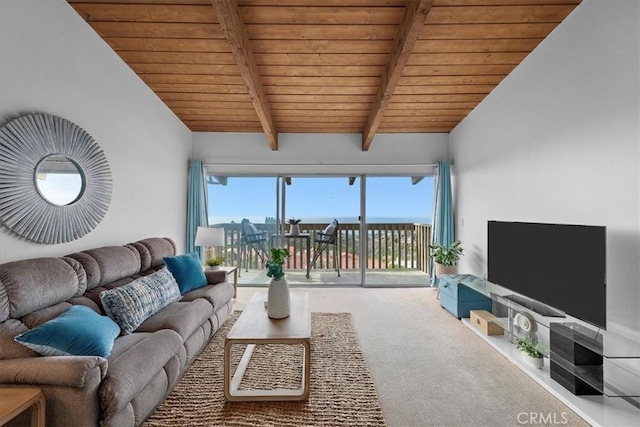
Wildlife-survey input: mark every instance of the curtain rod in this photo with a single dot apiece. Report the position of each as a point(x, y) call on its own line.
point(324, 164)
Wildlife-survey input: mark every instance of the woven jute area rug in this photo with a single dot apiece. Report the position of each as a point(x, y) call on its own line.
point(342, 391)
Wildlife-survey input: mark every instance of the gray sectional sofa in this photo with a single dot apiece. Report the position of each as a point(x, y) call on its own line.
point(143, 367)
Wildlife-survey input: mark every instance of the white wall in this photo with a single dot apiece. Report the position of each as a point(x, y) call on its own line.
point(320, 153)
point(52, 62)
point(559, 141)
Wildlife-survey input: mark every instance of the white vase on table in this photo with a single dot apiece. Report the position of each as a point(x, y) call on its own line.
point(278, 299)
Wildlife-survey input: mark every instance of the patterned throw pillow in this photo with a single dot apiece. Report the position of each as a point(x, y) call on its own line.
point(253, 235)
point(135, 302)
point(327, 233)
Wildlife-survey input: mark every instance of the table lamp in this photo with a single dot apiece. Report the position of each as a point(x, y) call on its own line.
point(209, 237)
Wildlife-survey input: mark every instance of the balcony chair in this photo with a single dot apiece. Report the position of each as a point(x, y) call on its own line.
point(252, 240)
point(323, 240)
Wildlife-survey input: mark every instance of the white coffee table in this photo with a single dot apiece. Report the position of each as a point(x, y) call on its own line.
point(253, 328)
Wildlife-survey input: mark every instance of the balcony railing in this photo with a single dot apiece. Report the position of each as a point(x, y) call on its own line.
point(390, 245)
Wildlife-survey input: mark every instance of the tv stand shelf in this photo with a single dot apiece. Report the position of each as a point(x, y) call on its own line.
point(543, 315)
point(599, 410)
point(617, 376)
point(532, 305)
point(576, 358)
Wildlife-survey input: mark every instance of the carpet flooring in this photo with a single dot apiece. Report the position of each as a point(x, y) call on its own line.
point(429, 369)
point(342, 391)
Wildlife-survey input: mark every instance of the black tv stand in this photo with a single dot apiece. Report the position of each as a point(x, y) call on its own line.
point(538, 307)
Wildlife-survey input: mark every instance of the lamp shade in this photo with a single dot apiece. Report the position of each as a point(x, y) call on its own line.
point(209, 236)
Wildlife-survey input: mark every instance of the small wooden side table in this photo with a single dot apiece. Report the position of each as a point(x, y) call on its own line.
point(14, 401)
point(232, 269)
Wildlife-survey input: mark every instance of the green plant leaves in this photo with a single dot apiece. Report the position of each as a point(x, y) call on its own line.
point(218, 260)
point(530, 346)
point(446, 256)
point(274, 265)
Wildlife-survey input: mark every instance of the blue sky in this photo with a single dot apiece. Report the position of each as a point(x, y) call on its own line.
point(320, 197)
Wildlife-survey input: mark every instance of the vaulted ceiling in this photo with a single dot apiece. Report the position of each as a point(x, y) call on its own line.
point(323, 66)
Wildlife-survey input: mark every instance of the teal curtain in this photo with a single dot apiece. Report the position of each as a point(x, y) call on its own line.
point(442, 227)
point(196, 204)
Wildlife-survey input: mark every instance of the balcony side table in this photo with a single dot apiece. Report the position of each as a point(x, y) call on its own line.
point(14, 401)
point(307, 237)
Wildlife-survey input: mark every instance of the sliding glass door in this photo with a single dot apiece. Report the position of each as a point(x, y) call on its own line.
point(383, 227)
point(398, 218)
point(234, 199)
point(315, 202)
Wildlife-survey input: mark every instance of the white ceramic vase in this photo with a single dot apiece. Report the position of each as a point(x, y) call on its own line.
point(294, 229)
point(278, 299)
point(536, 362)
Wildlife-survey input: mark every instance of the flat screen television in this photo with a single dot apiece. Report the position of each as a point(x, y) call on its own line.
point(561, 265)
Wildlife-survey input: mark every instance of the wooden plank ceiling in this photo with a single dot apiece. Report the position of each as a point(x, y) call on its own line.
point(323, 66)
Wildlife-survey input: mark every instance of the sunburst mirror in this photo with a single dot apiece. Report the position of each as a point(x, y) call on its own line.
point(55, 181)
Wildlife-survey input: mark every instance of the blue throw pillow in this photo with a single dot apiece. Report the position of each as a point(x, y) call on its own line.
point(187, 270)
point(131, 304)
point(79, 331)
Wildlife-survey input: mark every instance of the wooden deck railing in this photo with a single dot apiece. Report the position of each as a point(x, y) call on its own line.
point(390, 245)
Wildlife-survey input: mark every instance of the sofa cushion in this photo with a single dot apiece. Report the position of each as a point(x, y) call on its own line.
point(38, 317)
point(88, 302)
point(329, 230)
point(133, 303)
point(9, 347)
point(152, 250)
point(53, 280)
point(133, 365)
point(79, 331)
point(253, 233)
point(182, 317)
point(217, 295)
point(108, 264)
point(187, 270)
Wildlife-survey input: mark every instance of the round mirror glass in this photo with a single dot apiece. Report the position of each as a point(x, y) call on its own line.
point(59, 180)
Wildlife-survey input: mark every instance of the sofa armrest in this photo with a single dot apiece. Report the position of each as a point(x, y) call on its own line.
point(215, 276)
point(70, 371)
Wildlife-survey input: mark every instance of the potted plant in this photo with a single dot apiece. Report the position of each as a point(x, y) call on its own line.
point(278, 298)
point(294, 226)
point(446, 258)
point(532, 351)
point(214, 263)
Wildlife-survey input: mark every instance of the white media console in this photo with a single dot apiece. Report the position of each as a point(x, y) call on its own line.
point(616, 380)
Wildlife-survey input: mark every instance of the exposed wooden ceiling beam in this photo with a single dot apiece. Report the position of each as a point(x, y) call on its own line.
point(410, 27)
point(233, 29)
